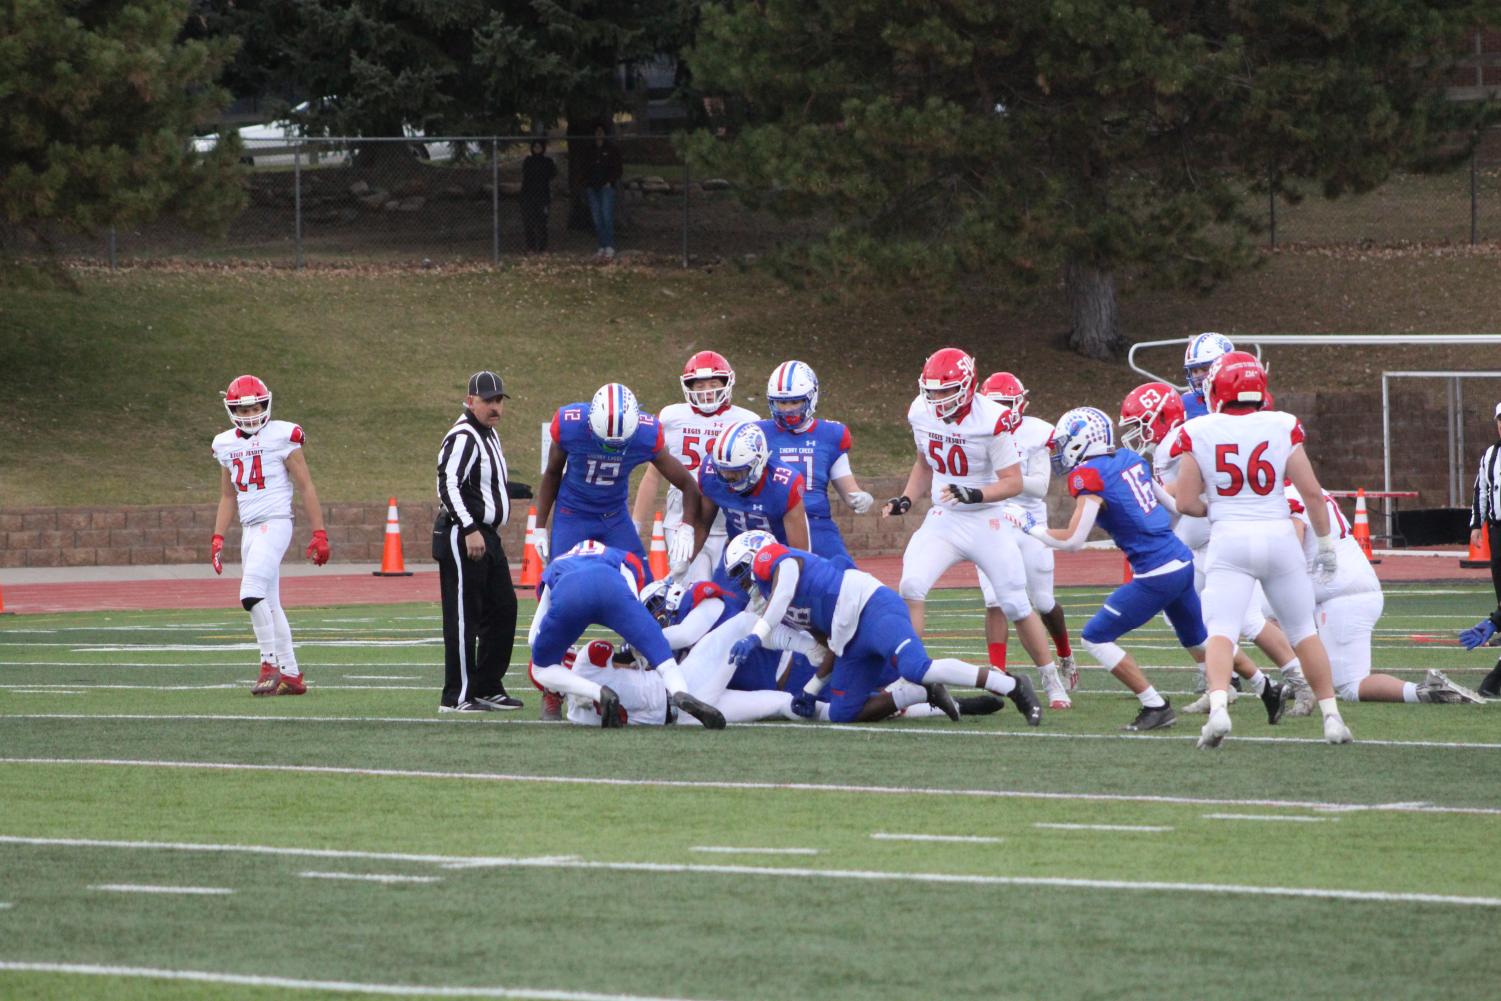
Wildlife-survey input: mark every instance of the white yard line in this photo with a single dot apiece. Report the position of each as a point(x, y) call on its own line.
point(194, 891)
point(371, 877)
point(1142, 828)
point(731, 850)
point(42, 691)
point(398, 773)
point(339, 986)
point(382, 677)
point(1267, 816)
point(966, 839)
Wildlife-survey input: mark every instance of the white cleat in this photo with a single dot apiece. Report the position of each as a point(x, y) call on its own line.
point(1215, 731)
point(1302, 700)
point(1200, 705)
point(1053, 684)
point(1437, 687)
point(1335, 731)
point(1070, 672)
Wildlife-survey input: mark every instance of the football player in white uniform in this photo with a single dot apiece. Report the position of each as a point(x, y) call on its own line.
point(1031, 438)
point(1349, 605)
point(261, 461)
point(1241, 453)
point(689, 430)
point(968, 461)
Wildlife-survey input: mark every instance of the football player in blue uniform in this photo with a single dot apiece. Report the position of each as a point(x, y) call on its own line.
point(739, 478)
point(817, 448)
point(1202, 352)
point(864, 624)
point(593, 584)
point(1114, 488)
point(596, 445)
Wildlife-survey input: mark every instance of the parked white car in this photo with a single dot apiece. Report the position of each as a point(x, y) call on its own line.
point(274, 143)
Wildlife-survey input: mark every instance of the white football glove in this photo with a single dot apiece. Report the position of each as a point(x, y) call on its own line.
point(1325, 562)
point(539, 542)
point(679, 548)
point(1019, 517)
point(860, 501)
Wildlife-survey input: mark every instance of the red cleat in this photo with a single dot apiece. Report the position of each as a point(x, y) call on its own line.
point(290, 684)
point(552, 706)
point(267, 682)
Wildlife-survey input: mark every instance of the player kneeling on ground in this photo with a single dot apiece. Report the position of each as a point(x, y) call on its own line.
point(865, 625)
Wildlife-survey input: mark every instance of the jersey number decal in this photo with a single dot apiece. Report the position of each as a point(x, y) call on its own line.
point(691, 453)
point(601, 473)
point(257, 478)
point(743, 521)
point(957, 464)
point(1259, 474)
point(1141, 489)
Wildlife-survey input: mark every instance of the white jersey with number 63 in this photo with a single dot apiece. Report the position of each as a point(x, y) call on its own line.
point(1243, 458)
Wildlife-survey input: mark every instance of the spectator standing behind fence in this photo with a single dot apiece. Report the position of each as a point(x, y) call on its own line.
point(537, 173)
point(602, 169)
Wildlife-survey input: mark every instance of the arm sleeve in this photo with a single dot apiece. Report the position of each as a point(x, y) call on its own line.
point(788, 573)
point(695, 626)
point(1038, 471)
point(841, 467)
point(454, 461)
point(1081, 530)
point(1164, 498)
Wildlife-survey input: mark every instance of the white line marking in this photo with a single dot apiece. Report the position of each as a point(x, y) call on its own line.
point(1143, 828)
point(1093, 797)
point(1267, 816)
point(225, 647)
point(967, 839)
point(5, 906)
point(341, 986)
point(371, 877)
point(382, 677)
point(731, 850)
point(198, 891)
point(41, 691)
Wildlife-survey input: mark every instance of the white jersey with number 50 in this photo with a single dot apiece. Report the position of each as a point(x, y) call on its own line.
point(688, 435)
point(258, 469)
point(1243, 458)
point(969, 452)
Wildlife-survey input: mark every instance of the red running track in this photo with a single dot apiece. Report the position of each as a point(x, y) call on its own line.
point(1092, 567)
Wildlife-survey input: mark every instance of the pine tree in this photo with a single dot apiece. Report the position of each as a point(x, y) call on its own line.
point(97, 107)
point(1085, 140)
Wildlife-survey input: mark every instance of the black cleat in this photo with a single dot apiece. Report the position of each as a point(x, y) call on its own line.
point(1154, 718)
point(939, 698)
point(611, 715)
point(1274, 697)
point(711, 718)
point(1490, 686)
point(1025, 700)
point(980, 705)
point(1236, 683)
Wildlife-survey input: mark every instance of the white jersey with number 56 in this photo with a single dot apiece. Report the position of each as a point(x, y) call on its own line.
point(1243, 458)
point(257, 467)
point(688, 435)
point(969, 452)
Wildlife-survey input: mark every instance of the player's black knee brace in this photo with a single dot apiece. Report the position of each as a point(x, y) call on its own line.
point(249, 603)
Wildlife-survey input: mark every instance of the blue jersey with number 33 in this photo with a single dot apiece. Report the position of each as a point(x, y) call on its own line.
point(596, 479)
point(1142, 527)
point(764, 507)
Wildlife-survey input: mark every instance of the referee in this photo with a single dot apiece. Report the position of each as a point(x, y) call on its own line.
point(1485, 516)
point(479, 601)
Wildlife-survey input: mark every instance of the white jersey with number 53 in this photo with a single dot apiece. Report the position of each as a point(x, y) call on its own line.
point(258, 469)
point(688, 435)
point(1243, 458)
point(969, 452)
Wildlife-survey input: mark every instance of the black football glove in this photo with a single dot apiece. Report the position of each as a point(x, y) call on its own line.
point(518, 491)
point(966, 495)
point(898, 505)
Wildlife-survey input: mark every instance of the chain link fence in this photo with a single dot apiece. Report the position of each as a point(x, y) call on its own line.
point(458, 199)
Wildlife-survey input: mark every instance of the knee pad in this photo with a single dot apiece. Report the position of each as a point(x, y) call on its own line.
point(1016, 605)
point(1108, 654)
point(1349, 691)
point(911, 590)
point(249, 603)
point(1043, 602)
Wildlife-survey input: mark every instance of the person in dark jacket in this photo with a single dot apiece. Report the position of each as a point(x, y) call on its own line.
point(603, 166)
point(537, 173)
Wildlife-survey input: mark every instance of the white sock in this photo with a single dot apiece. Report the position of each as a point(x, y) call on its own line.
point(558, 678)
point(999, 682)
point(1329, 707)
point(1292, 668)
point(905, 694)
point(672, 676)
point(1150, 699)
point(1258, 682)
point(1409, 692)
point(948, 671)
point(922, 711)
point(1218, 700)
point(264, 624)
point(286, 657)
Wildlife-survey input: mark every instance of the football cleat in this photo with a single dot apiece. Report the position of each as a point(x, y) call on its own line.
point(939, 698)
point(1069, 671)
point(980, 705)
point(266, 683)
point(1300, 692)
point(611, 713)
point(290, 684)
point(1335, 731)
point(711, 718)
point(1437, 687)
point(1200, 705)
point(1153, 718)
point(1053, 685)
point(1490, 686)
point(1025, 699)
point(552, 707)
point(1215, 731)
point(1274, 698)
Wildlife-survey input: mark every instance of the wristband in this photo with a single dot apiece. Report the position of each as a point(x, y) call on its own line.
point(762, 631)
point(815, 684)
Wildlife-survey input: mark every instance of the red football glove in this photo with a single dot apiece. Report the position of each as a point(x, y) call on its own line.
point(215, 549)
point(317, 550)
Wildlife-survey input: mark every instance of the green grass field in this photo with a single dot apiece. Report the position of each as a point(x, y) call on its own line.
point(353, 841)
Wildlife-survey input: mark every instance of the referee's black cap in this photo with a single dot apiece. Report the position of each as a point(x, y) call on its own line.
point(487, 386)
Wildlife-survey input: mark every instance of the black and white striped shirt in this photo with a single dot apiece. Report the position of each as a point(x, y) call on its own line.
point(1487, 488)
point(472, 475)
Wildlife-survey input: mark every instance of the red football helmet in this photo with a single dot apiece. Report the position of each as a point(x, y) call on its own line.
point(1237, 378)
point(1148, 413)
point(708, 365)
point(243, 391)
point(948, 383)
point(1007, 390)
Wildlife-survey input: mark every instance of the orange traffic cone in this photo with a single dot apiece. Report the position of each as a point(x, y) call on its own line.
point(391, 563)
point(657, 558)
point(531, 563)
point(1479, 556)
point(1361, 530)
point(2, 604)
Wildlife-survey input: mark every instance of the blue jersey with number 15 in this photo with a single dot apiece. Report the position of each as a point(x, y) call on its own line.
point(1142, 527)
point(597, 479)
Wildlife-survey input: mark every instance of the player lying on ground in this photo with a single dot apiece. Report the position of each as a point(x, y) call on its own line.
point(865, 626)
point(262, 459)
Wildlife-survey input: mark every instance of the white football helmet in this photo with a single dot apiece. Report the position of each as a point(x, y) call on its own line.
point(740, 454)
point(614, 415)
point(662, 598)
point(1203, 351)
point(1080, 434)
point(741, 552)
point(792, 382)
point(244, 391)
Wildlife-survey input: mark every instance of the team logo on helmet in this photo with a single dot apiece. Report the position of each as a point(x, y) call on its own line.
point(1080, 434)
point(740, 555)
point(740, 454)
point(1202, 352)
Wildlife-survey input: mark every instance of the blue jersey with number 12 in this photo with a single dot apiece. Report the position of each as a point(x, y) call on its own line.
point(1142, 527)
point(597, 479)
point(813, 453)
point(764, 507)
